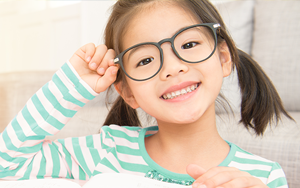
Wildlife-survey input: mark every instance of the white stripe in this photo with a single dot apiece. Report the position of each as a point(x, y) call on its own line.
point(97, 145)
point(128, 132)
point(50, 108)
point(275, 174)
point(59, 97)
point(264, 180)
point(39, 119)
point(48, 157)
point(249, 166)
point(131, 159)
point(24, 125)
point(284, 186)
point(22, 170)
point(71, 87)
point(75, 167)
point(112, 159)
point(103, 169)
point(124, 142)
point(66, 170)
point(36, 165)
point(86, 154)
point(250, 156)
point(81, 81)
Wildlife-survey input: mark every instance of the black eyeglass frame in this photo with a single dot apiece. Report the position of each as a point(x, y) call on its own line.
point(213, 26)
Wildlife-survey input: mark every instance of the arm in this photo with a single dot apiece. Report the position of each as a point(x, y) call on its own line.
point(23, 151)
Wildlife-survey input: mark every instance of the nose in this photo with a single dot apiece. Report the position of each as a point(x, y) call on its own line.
point(172, 65)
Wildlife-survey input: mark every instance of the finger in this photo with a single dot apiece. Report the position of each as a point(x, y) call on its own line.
point(88, 50)
point(107, 79)
point(98, 56)
point(195, 171)
point(222, 178)
point(213, 172)
point(250, 182)
point(107, 61)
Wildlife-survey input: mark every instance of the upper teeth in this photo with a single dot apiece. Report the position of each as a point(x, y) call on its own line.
point(180, 92)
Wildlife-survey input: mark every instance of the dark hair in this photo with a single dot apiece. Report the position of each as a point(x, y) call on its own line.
point(258, 92)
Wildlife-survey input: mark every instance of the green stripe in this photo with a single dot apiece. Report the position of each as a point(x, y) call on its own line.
point(79, 156)
point(20, 134)
point(28, 171)
point(121, 134)
point(42, 171)
point(277, 183)
point(106, 163)
point(80, 88)
point(10, 146)
point(127, 150)
point(67, 157)
point(52, 99)
point(8, 158)
point(43, 112)
point(65, 92)
point(55, 160)
point(94, 152)
point(82, 175)
point(32, 123)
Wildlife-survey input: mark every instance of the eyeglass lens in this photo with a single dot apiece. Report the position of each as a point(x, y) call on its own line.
point(192, 45)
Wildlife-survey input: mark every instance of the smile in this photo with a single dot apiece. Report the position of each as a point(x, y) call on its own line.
point(181, 92)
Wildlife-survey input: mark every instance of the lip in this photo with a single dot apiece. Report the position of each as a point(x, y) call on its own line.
point(179, 86)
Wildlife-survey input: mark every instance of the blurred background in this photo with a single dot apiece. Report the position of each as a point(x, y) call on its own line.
point(42, 35)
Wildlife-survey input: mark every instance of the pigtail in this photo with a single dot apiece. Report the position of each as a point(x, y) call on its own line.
point(261, 103)
point(122, 114)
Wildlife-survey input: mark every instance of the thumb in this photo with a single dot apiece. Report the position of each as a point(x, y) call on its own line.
point(195, 171)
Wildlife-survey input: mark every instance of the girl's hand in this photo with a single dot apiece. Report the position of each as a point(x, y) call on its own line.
point(222, 177)
point(95, 66)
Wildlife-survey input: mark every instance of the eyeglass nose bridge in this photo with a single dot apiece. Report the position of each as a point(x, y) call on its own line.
point(171, 40)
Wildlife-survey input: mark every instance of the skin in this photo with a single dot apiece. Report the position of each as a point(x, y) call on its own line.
point(187, 140)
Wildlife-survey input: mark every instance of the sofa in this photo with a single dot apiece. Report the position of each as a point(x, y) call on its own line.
point(267, 30)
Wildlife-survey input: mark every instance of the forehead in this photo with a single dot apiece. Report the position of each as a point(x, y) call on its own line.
point(155, 23)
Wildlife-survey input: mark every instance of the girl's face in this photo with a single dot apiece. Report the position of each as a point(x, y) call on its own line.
point(153, 25)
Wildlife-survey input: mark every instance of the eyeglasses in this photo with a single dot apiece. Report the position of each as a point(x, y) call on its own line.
point(192, 44)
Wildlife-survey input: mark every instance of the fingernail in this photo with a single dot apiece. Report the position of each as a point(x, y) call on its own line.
point(101, 71)
point(195, 185)
point(114, 71)
point(202, 186)
point(93, 65)
point(88, 59)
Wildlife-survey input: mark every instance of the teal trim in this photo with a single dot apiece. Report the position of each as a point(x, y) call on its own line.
point(153, 165)
point(32, 123)
point(65, 91)
point(80, 88)
point(79, 156)
point(52, 99)
point(230, 155)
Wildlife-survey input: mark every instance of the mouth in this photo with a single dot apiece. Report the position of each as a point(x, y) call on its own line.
point(184, 91)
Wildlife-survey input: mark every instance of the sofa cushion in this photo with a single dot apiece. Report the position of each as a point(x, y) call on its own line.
point(276, 47)
point(238, 18)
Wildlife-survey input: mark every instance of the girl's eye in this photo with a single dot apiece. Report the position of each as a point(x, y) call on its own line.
point(145, 61)
point(189, 45)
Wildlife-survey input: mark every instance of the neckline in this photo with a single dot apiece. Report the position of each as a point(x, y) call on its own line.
point(153, 165)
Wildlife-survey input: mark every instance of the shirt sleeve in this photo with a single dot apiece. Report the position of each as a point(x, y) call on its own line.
point(24, 152)
point(277, 177)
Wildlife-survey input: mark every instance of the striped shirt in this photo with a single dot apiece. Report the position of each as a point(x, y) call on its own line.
point(25, 154)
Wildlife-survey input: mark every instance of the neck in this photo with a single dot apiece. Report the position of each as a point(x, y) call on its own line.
point(189, 143)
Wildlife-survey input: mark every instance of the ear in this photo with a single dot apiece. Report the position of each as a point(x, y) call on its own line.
point(225, 59)
point(127, 95)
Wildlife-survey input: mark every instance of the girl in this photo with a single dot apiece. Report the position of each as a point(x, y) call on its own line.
point(167, 57)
